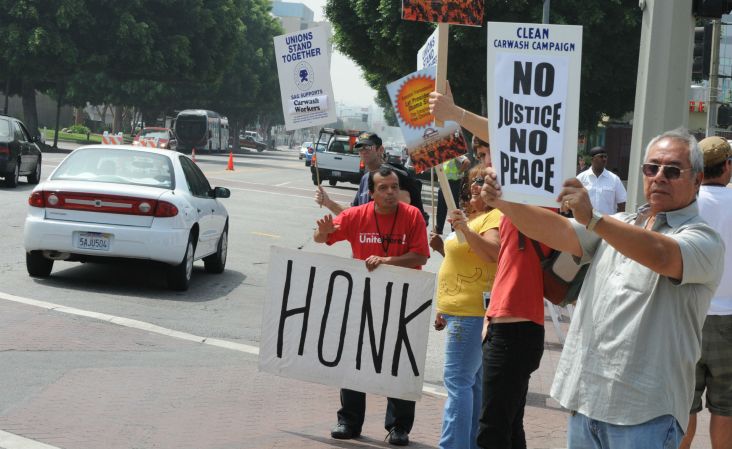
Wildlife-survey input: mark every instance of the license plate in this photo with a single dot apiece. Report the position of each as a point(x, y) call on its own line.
point(95, 241)
point(335, 173)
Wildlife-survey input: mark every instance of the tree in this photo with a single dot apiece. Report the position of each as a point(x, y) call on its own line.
point(372, 33)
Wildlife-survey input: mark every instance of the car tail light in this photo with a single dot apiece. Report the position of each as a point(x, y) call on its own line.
point(37, 199)
point(92, 202)
point(4, 150)
point(361, 165)
point(164, 210)
point(314, 160)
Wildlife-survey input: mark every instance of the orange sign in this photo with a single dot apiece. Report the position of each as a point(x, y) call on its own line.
point(458, 12)
point(412, 101)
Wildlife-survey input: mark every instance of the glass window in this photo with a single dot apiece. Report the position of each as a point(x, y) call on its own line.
point(117, 166)
point(193, 179)
point(4, 128)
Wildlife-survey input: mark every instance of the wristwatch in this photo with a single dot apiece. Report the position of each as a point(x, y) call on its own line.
point(596, 217)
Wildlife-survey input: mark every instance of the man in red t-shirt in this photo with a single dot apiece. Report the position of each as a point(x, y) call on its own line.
point(382, 231)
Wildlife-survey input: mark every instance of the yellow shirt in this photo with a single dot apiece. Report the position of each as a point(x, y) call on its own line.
point(464, 275)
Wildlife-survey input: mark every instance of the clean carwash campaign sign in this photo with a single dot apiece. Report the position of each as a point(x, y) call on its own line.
point(533, 99)
point(330, 321)
point(303, 65)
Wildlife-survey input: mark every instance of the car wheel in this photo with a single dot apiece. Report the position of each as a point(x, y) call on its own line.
point(179, 276)
point(216, 262)
point(11, 179)
point(37, 265)
point(300, 156)
point(35, 176)
point(315, 180)
point(307, 163)
point(332, 182)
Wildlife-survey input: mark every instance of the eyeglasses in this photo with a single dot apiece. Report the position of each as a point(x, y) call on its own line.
point(364, 148)
point(478, 180)
point(669, 171)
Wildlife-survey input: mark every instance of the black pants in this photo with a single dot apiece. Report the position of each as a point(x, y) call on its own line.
point(511, 352)
point(399, 413)
point(442, 205)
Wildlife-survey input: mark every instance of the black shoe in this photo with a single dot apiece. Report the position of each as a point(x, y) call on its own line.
point(344, 432)
point(398, 437)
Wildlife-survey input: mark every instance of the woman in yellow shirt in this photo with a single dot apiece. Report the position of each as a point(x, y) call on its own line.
point(465, 278)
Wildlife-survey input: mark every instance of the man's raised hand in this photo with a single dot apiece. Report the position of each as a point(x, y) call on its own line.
point(326, 225)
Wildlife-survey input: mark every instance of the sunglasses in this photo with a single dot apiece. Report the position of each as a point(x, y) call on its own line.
point(478, 180)
point(669, 171)
point(364, 148)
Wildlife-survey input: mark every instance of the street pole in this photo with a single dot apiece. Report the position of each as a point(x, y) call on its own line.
point(545, 15)
point(662, 87)
point(713, 102)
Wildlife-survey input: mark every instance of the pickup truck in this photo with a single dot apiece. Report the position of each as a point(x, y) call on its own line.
point(340, 161)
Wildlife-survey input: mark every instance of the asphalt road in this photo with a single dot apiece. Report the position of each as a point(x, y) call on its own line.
point(271, 204)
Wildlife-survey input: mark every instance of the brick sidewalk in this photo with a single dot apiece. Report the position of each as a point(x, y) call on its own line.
point(77, 383)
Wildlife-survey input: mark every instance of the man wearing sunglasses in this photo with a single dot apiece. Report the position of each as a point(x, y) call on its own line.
point(714, 369)
point(605, 188)
point(627, 369)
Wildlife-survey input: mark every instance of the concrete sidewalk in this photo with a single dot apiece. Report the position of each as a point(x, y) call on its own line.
point(79, 383)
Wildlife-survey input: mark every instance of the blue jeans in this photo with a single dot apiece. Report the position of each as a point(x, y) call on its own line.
point(663, 432)
point(463, 378)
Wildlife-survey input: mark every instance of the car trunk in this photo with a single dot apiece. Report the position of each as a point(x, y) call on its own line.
point(105, 203)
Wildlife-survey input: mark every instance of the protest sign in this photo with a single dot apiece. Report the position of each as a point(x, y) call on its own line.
point(533, 107)
point(427, 55)
point(428, 145)
point(303, 66)
point(459, 12)
point(330, 321)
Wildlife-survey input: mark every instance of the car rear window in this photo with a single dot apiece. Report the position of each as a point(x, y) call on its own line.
point(154, 133)
point(4, 128)
point(117, 166)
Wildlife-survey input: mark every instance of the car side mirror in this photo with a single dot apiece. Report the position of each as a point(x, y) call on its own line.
point(221, 192)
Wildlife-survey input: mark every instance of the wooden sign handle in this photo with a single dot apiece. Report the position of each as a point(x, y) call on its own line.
point(447, 195)
point(443, 34)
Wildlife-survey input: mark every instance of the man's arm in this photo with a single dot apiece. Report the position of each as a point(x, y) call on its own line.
point(654, 250)
point(323, 199)
point(408, 260)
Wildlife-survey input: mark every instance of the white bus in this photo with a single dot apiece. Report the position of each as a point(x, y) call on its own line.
point(201, 129)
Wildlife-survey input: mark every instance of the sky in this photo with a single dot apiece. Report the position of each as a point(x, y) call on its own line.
point(349, 87)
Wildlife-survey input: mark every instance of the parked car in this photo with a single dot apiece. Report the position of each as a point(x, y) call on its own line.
point(156, 138)
point(107, 202)
point(248, 141)
point(339, 161)
point(19, 153)
point(304, 149)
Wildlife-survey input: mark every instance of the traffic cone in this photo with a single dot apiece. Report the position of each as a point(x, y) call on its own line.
point(193, 154)
point(230, 166)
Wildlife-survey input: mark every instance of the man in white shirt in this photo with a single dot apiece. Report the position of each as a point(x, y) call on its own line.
point(607, 193)
point(714, 369)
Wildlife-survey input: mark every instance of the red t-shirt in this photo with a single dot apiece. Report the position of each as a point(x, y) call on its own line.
point(518, 290)
point(372, 234)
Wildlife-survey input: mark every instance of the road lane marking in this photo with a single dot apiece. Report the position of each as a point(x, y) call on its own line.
point(12, 441)
point(433, 389)
point(134, 324)
point(274, 236)
point(283, 184)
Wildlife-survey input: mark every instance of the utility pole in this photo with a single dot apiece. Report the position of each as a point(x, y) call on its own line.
point(545, 15)
point(662, 89)
point(713, 102)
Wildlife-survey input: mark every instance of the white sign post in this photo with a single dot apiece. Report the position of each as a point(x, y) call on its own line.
point(330, 321)
point(303, 66)
point(533, 99)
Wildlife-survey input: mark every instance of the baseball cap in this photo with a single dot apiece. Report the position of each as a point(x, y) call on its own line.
point(715, 149)
point(368, 139)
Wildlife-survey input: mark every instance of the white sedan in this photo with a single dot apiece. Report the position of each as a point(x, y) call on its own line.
point(118, 201)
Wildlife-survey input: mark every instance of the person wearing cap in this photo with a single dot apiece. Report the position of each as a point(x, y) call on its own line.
point(605, 188)
point(383, 231)
point(369, 146)
point(714, 369)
